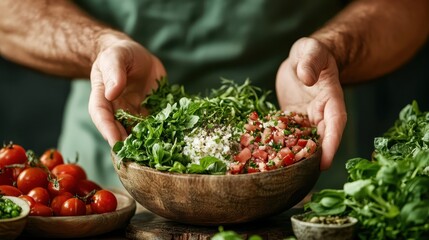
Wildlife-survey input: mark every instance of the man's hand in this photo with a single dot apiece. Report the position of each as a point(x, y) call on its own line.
point(308, 82)
point(122, 75)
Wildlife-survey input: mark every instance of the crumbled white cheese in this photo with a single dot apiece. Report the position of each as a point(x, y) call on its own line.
point(215, 142)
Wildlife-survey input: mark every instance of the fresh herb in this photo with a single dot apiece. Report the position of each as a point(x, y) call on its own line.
point(231, 235)
point(158, 140)
point(388, 194)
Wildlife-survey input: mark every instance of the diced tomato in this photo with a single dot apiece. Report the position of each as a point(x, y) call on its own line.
point(246, 139)
point(302, 142)
point(281, 125)
point(266, 135)
point(301, 154)
point(252, 169)
point(235, 168)
point(260, 154)
point(311, 146)
point(243, 156)
point(296, 148)
point(250, 127)
point(288, 159)
point(279, 137)
point(253, 116)
point(290, 141)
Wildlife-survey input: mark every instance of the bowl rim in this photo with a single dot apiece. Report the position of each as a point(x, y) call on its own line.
point(297, 218)
point(25, 209)
point(316, 156)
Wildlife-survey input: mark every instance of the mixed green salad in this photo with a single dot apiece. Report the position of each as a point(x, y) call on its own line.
point(233, 130)
point(388, 194)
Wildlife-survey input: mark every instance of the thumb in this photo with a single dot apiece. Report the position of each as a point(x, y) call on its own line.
point(313, 58)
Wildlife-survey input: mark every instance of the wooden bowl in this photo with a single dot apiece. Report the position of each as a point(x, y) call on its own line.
point(83, 226)
point(11, 228)
point(219, 199)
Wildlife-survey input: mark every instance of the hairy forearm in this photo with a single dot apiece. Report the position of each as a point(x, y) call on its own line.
point(54, 37)
point(372, 37)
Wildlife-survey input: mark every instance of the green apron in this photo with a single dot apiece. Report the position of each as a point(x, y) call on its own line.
point(198, 42)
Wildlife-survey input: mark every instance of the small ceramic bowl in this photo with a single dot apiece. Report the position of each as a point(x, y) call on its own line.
point(308, 231)
point(11, 228)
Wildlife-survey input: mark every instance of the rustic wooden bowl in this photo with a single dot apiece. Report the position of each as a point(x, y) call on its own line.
point(82, 226)
point(11, 228)
point(219, 199)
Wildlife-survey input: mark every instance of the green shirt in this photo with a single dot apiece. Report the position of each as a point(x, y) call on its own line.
point(198, 42)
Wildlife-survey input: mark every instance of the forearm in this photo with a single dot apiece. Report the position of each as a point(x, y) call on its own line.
point(370, 38)
point(55, 37)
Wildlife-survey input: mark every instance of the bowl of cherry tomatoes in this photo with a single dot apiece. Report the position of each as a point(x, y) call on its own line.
point(60, 196)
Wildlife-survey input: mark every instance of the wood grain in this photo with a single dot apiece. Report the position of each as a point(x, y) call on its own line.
point(146, 225)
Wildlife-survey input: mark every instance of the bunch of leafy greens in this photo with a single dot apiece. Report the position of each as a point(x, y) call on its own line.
point(157, 140)
point(388, 194)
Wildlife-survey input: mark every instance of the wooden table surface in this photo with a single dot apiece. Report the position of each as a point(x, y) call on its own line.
point(147, 225)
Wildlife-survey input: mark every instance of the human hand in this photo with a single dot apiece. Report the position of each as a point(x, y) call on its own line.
point(308, 82)
point(122, 75)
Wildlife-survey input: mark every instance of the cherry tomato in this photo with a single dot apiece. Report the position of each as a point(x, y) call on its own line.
point(88, 209)
point(30, 178)
point(40, 195)
point(51, 158)
point(70, 168)
point(84, 187)
point(29, 200)
point(103, 201)
point(58, 201)
point(10, 191)
point(6, 177)
point(41, 210)
point(62, 183)
point(73, 207)
point(12, 154)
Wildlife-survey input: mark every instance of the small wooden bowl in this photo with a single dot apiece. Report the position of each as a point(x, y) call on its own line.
point(11, 228)
point(83, 226)
point(219, 199)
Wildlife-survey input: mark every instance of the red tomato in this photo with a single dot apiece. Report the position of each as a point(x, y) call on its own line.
point(302, 142)
point(51, 158)
point(29, 200)
point(70, 168)
point(88, 209)
point(58, 201)
point(41, 210)
point(10, 191)
point(12, 154)
point(103, 201)
point(62, 183)
point(6, 177)
point(84, 187)
point(288, 159)
point(40, 195)
point(30, 178)
point(73, 207)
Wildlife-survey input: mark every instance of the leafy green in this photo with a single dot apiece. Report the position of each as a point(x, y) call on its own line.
point(157, 140)
point(388, 194)
point(231, 235)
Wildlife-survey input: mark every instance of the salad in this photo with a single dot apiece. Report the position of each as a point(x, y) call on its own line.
point(233, 130)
